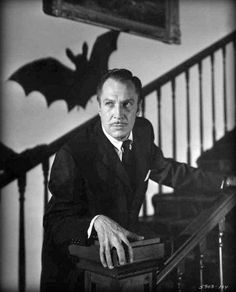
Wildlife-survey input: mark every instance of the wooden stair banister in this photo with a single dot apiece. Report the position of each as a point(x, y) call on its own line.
point(198, 229)
point(44, 152)
point(181, 68)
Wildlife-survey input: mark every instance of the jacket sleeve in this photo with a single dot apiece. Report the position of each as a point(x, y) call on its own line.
point(178, 175)
point(67, 216)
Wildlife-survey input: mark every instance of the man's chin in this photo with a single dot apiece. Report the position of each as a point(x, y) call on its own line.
point(119, 135)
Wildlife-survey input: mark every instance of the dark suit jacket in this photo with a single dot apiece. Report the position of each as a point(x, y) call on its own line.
point(87, 178)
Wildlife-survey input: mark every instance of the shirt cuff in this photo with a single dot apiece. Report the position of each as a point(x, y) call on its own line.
point(224, 183)
point(89, 231)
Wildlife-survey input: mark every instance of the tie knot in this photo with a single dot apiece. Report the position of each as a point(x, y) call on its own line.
point(127, 145)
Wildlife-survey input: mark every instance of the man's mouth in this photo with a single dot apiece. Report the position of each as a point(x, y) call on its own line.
point(119, 125)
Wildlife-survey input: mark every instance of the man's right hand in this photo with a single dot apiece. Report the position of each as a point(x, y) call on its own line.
point(111, 234)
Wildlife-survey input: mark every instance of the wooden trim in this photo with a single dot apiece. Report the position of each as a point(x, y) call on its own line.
point(96, 14)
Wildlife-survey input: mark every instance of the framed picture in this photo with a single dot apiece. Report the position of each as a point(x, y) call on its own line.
point(157, 19)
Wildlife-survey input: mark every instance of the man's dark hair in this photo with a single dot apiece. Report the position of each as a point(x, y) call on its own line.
point(122, 75)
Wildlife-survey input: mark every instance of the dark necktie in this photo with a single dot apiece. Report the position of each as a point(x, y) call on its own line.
point(128, 161)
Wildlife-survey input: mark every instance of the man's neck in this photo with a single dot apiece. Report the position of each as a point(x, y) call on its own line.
point(117, 143)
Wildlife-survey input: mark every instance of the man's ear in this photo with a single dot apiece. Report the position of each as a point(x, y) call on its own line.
point(99, 107)
point(139, 108)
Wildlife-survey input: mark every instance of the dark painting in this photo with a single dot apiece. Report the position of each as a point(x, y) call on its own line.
point(158, 19)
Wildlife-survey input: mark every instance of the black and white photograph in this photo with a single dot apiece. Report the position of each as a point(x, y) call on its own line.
point(117, 145)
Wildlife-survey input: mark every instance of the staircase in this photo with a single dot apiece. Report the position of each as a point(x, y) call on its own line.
point(174, 211)
point(192, 224)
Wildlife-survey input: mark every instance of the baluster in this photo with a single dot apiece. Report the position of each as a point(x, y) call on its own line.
point(144, 206)
point(188, 118)
point(224, 89)
point(234, 77)
point(221, 233)
point(173, 117)
point(200, 105)
point(159, 126)
point(213, 97)
point(45, 167)
point(202, 248)
point(180, 272)
point(21, 270)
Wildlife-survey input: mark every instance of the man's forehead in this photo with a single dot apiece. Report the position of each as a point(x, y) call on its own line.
point(115, 88)
point(111, 82)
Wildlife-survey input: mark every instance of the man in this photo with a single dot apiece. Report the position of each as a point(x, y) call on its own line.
point(98, 184)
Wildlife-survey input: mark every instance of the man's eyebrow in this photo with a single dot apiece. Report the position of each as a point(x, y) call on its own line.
point(108, 99)
point(129, 99)
point(114, 100)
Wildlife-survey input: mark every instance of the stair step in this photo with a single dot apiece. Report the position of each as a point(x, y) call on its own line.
point(165, 226)
point(184, 198)
point(182, 204)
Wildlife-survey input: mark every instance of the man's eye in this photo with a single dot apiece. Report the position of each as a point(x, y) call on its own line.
point(127, 104)
point(109, 103)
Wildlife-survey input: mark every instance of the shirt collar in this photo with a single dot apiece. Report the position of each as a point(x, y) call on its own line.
point(114, 142)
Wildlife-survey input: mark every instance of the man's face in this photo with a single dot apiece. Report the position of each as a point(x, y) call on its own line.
point(118, 108)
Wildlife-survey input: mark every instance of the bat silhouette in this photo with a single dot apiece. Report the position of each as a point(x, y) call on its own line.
point(56, 81)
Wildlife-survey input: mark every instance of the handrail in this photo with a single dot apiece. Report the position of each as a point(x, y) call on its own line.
point(47, 150)
point(198, 229)
point(43, 153)
point(181, 68)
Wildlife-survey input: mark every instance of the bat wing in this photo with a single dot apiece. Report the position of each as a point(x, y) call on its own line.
point(56, 81)
point(98, 65)
point(103, 47)
point(49, 77)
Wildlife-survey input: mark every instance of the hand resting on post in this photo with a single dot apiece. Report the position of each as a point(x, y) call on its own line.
point(112, 235)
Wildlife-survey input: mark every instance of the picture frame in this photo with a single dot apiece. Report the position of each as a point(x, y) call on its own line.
point(156, 19)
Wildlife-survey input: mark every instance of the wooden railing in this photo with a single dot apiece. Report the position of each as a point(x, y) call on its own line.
point(44, 152)
point(184, 68)
point(195, 234)
point(170, 78)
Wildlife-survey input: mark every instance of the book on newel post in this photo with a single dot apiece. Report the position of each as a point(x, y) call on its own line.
point(143, 250)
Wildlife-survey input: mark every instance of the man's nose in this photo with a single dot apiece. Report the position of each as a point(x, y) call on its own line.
point(118, 111)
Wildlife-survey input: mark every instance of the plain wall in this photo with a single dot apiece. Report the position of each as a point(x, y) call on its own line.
point(29, 34)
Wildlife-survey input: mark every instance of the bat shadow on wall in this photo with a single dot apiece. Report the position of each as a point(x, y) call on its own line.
point(58, 82)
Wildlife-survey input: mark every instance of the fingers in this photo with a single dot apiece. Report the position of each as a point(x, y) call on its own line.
point(106, 252)
point(108, 257)
point(133, 236)
point(111, 234)
point(130, 249)
point(105, 256)
point(102, 256)
point(120, 253)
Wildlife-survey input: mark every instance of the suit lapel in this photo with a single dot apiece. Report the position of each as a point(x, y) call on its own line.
point(141, 170)
point(140, 156)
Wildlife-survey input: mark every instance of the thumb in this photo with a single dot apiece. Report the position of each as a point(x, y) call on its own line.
point(134, 236)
